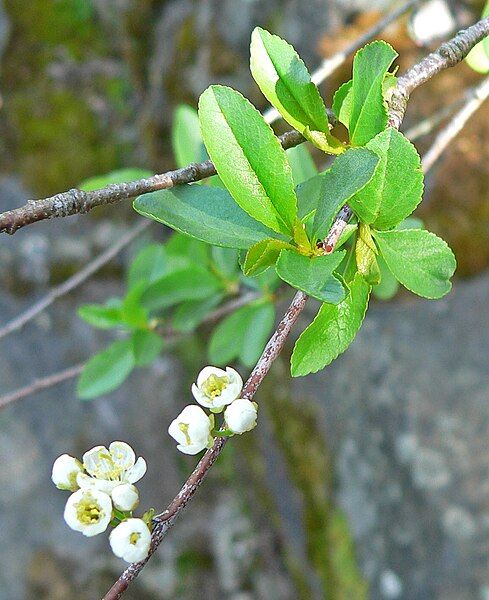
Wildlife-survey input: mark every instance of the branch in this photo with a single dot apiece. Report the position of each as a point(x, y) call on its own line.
point(164, 521)
point(41, 384)
point(77, 201)
point(74, 281)
point(446, 135)
point(447, 55)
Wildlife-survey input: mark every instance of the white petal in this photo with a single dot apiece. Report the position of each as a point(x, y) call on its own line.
point(135, 549)
point(201, 397)
point(136, 472)
point(234, 377)
point(102, 502)
point(98, 462)
point(125, 497)
point(207, 372)
point(192, 449)
point(122, 455)
point(86, 482)
point(64, 473)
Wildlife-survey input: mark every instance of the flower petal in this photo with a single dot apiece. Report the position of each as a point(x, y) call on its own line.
point(201, 398)
point(122, 455)
point(207, 372)
point(136, 472)
point(98, 462)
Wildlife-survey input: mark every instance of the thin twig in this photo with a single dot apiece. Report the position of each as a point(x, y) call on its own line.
point(41, 384)
point(77, 201)
point(74, 281)
point(446, 135)
point(165, 521)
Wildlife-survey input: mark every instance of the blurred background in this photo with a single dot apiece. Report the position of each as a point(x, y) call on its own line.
point(367, 480)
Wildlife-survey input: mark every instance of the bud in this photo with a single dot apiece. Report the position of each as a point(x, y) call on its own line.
point(65, 470)
point(125, 497)
point(240, 416)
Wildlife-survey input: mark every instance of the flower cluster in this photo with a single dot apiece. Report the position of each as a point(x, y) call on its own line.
point(215, 389)
point(104, 493)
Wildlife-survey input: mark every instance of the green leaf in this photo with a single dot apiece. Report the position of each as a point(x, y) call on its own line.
point(261, 319)
point(286, 83)
point(187, 143)
point(418, 259)
point(366, 255)
point(191, 283)
point(132, 310)
point(225, 261)
point(478, 57)
point(189, 314)
point(388, 286)
point(314, 276)
point(242, 334)
point(349, 173)
point(146, 347)
point(263, 255)
point(368, 108)
point(342, 103)
point(119, 176)
point(100, 316)
point(248, 157)
point(396, 188)
point(301, 163)
point(325, 141)
point(208, 214)
point(106, 371)
point(148, 266)
point(180, 247)
point(331, 332)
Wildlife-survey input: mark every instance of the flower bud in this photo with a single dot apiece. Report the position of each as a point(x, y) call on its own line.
point(240, 416)
point(125, 497)
point(192, 430)
point(216, 388)
point(131, 540)
point(65, 470)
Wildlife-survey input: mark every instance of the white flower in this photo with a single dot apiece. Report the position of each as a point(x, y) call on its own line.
point(65, 470)
point(88, 511)
point(215, 388)
point(241, 416)
point(191, 429)
point(131, 540)
point(125, 497)
point(109, 468)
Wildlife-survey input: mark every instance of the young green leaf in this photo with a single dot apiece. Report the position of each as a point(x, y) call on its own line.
point(368, 110)
point(350, 172)
point(146, 347)
point(261, 319)
point(342, 101)
point(106, 371)
point(263, 255)
point(301, 163)
point(285, 81)
point(100, 316)
point(314, 276)
point(187, 143)
point(134, 314)
point(396, 188)
point(208, 214)
point(366, 255)
point(148, 266)
point(119, 176)
point(191, 283)
point(243, 334)
point(248, 157)
point(189, 314)
point(388, 286)
point(332, 331)
point(418, 259)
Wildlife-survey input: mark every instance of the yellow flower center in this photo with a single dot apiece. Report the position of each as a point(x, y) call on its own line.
point(88, 511)
point(214, 385)
point(184, 429)
point(134, 538)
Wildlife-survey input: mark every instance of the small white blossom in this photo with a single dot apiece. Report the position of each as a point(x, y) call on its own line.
point(108, 468)
point(88, 511)
point(131, 540)
point(65, 470)
point(125, 497)
point(191, 429)
point(215, 387)
point(240, 416)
